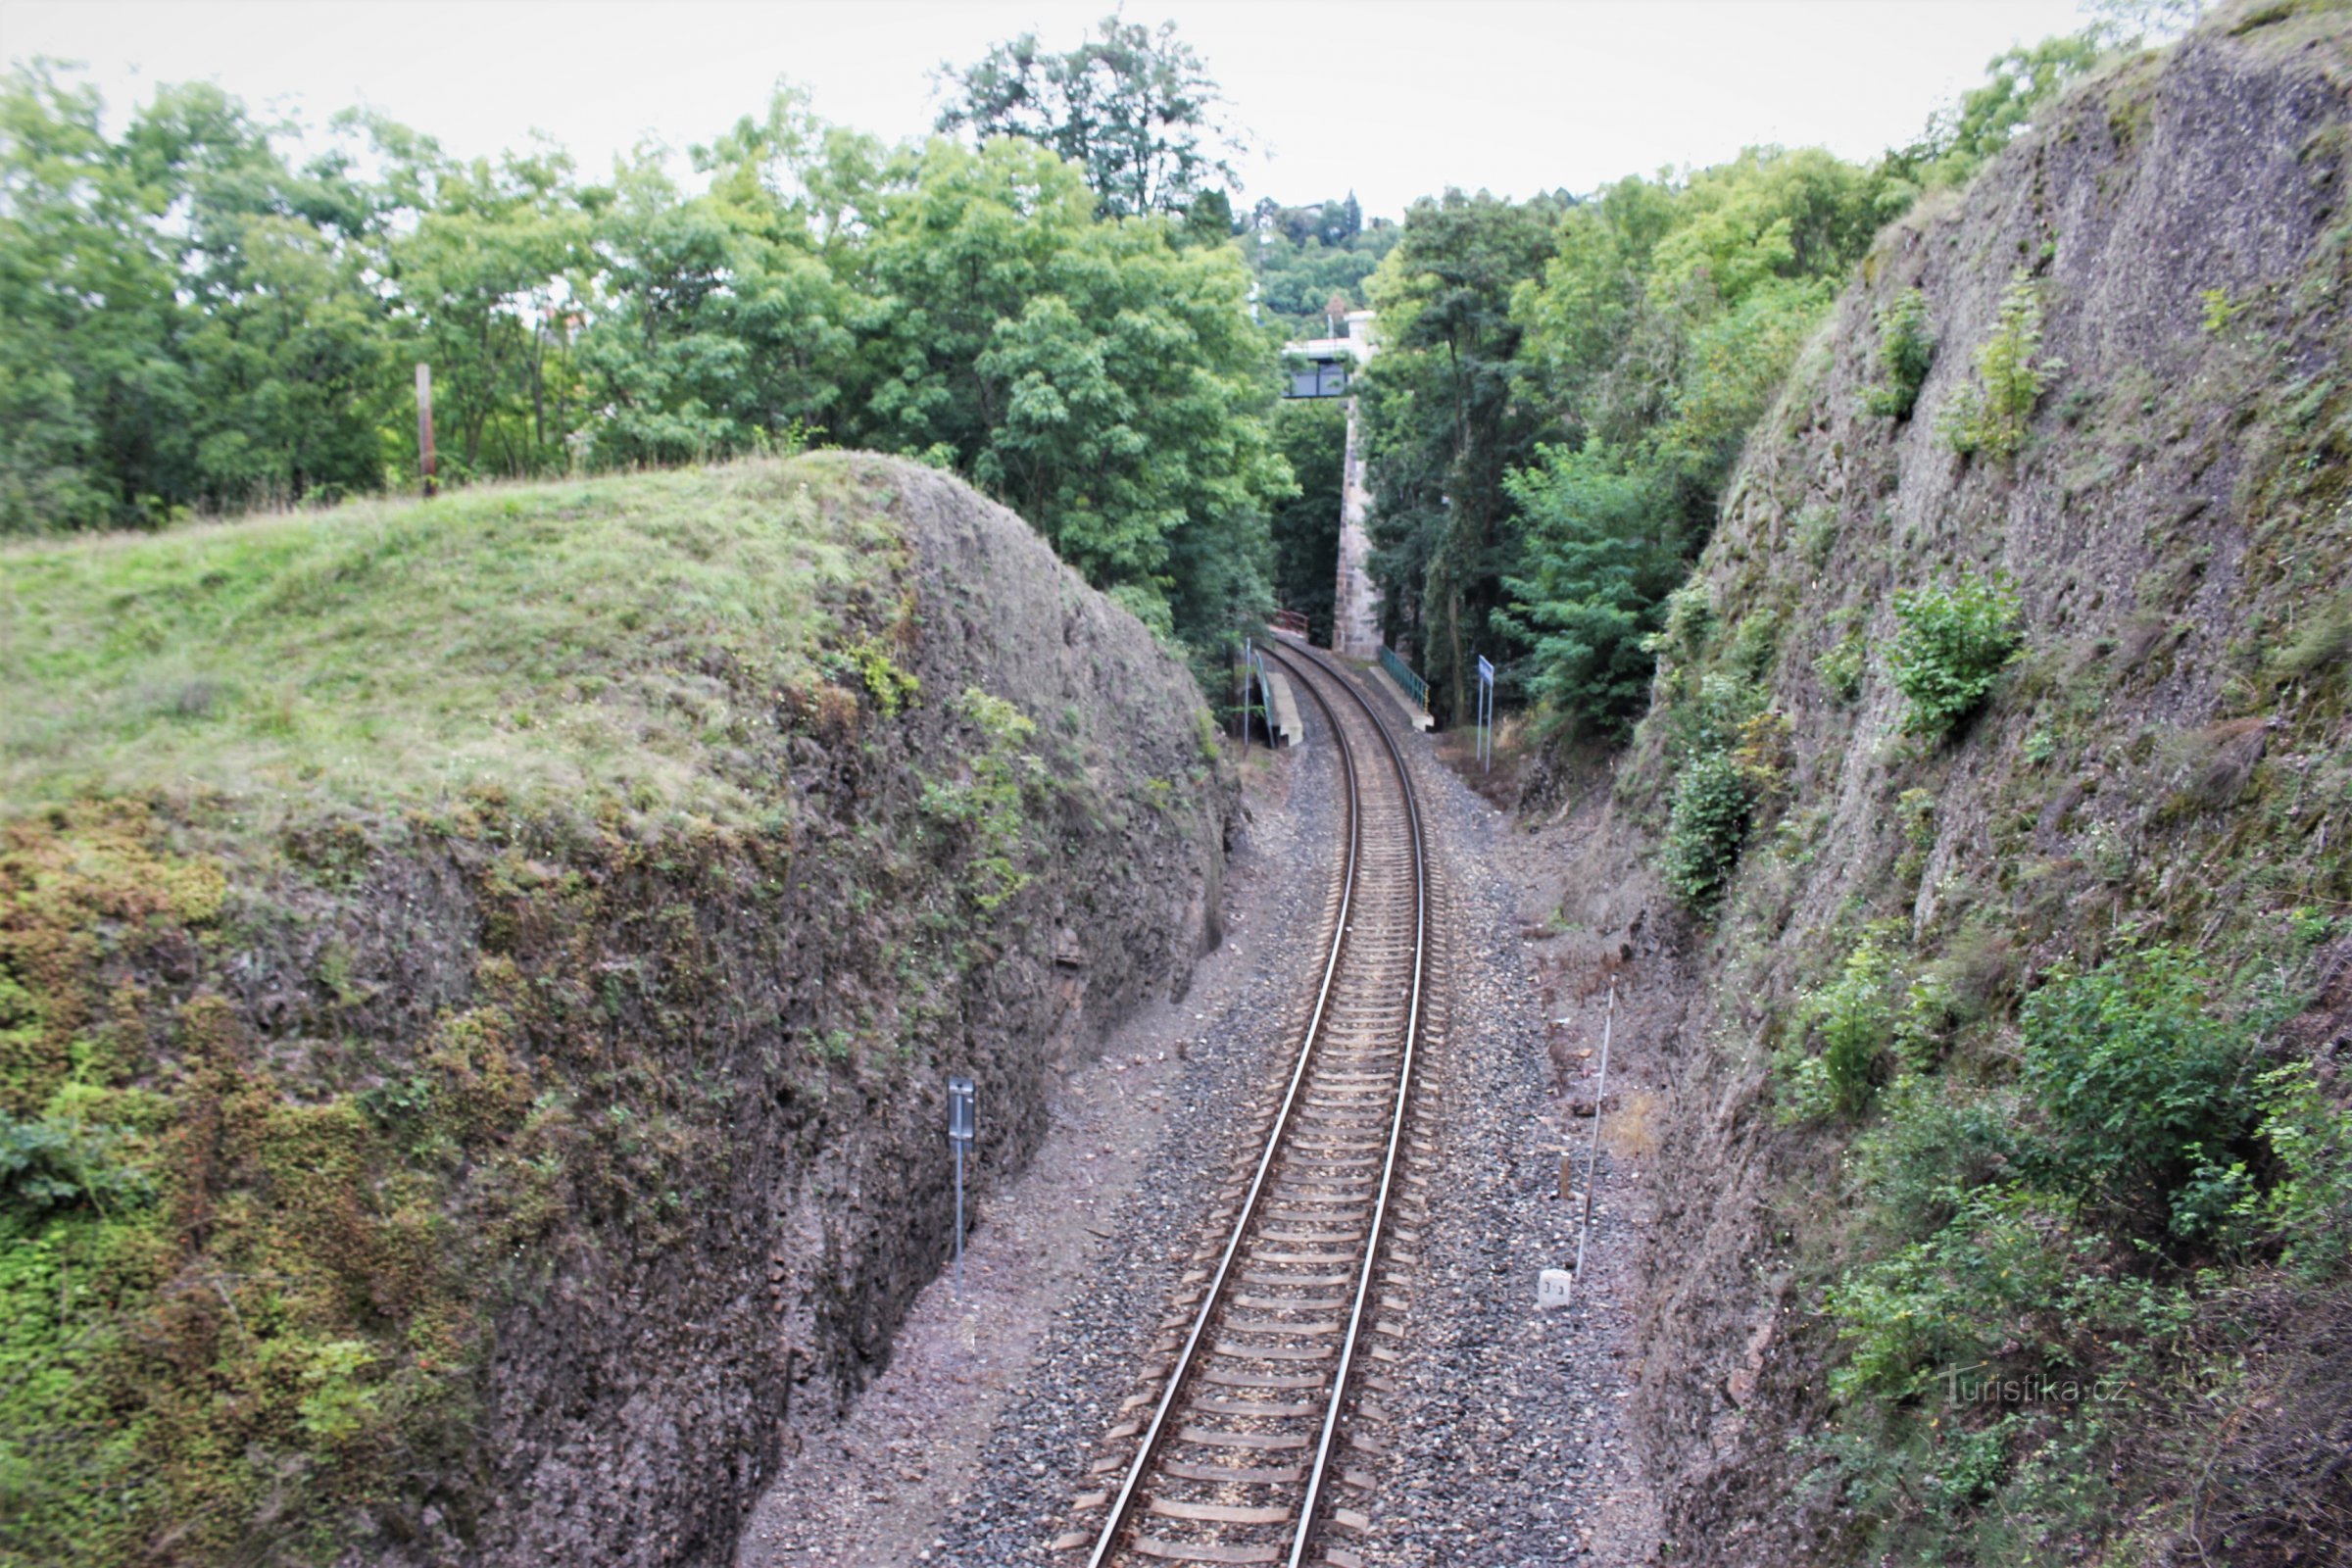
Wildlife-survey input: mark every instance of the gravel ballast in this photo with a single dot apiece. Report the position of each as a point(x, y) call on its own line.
point(1505, 1431)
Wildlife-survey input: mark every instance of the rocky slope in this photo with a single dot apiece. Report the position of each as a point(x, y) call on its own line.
point(488, 1178)
point(1933, 947)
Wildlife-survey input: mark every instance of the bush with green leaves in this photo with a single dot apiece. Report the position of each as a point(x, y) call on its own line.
point(1950, 646)
point(47, 1164)
point(1990, 416)
point(1936, 1141)
point(1712, 803)
point(1906, 348)
point(2013, 1278)
point(1730, 751)
point(1834, 1066)
point(1986, 1279)
point(1841, 667)
point(2307, 1208)
point(987, 807)
point(2143, 1086)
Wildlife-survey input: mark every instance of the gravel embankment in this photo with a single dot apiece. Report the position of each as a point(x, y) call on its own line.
point(1506, 1438)
point(1510, 1448)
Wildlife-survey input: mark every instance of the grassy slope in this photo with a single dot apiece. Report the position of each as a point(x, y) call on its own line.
point(246, 1279)
point(562, 641)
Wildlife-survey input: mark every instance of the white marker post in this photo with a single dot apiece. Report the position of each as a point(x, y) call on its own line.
point(1600, 1095)
point(1485, 714)
point(1555, 1286)
point(963, 1122)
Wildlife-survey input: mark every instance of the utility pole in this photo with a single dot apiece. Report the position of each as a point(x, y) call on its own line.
point(424, 428)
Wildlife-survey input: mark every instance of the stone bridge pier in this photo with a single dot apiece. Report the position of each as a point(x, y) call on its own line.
point(1355, 601)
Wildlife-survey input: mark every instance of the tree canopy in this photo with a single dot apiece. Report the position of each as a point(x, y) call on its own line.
point(197, 324)
point(1564, 384)
point(1056, 301)
point(1132, 106)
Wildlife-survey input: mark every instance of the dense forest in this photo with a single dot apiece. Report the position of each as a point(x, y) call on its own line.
point(1565, 383)
point(199, 325)
point(1053, 296)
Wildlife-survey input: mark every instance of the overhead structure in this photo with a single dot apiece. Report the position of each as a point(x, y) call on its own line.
point(1321, 369)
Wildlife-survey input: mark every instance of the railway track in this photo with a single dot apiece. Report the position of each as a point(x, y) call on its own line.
point(1238, 1435)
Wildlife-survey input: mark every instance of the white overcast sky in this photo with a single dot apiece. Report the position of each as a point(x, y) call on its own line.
point(1391, 98)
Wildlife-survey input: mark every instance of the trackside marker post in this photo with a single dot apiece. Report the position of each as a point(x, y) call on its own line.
point(963, 1122)
point(424, 429)
point(1600, 1095)
point(1485, 714)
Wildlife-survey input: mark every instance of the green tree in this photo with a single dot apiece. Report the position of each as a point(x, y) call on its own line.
point(1599, 560)
point(94, 408)
point(1658, 332)
point(190, 318)
point(1444, 424)
point(1960, 140)
point(285, 354)
point(1311, 435)
point(722, 326)
point(1304, 257)
point(1101, 378)
point(1132, 106)
point(486, 266)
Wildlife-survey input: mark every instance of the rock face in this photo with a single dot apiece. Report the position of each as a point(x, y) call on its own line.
point(521, 1170)
point(2177, 529)
point(640, 1397)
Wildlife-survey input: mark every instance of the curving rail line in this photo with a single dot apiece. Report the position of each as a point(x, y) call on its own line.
point(1236, 1460)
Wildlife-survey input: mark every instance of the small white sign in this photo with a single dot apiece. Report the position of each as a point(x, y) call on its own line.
point(1553, 1286)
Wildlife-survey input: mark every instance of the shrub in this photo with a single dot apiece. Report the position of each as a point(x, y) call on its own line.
point(2142, 1087)
point(1990, 414)
point(1689, 622)
point(988, 806)
point(1982, 1284)
point(1852, 1023)
point(890, 686)
point(2308, 1208)
point(1712, 801)
point(1950, 646)
point(2012, 1277)
point(1936, 1142)
point(56, 1165)
point(1905, 350)
point(1840, 668)
point(1816, 532)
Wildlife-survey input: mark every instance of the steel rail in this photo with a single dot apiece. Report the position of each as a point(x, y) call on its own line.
point(1320, 1467)
point(1122, 1507)
point(1123, 1504)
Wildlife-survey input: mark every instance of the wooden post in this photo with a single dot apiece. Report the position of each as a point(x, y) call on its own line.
point(424, 428)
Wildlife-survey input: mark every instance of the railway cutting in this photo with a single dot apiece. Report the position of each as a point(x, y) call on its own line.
point(1246, 1441)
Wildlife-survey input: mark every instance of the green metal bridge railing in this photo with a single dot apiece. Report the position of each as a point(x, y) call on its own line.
point(1415, 685)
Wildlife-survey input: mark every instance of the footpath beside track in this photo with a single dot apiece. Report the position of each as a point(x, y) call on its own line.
point(1269, 1365)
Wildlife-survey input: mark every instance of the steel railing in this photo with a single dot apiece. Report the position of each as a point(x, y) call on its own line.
point(1414, 686)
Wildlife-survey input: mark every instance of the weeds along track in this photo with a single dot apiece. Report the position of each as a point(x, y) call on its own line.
point(1238, 1431)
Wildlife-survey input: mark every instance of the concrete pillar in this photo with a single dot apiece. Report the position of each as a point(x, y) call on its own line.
point(1356, 606)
